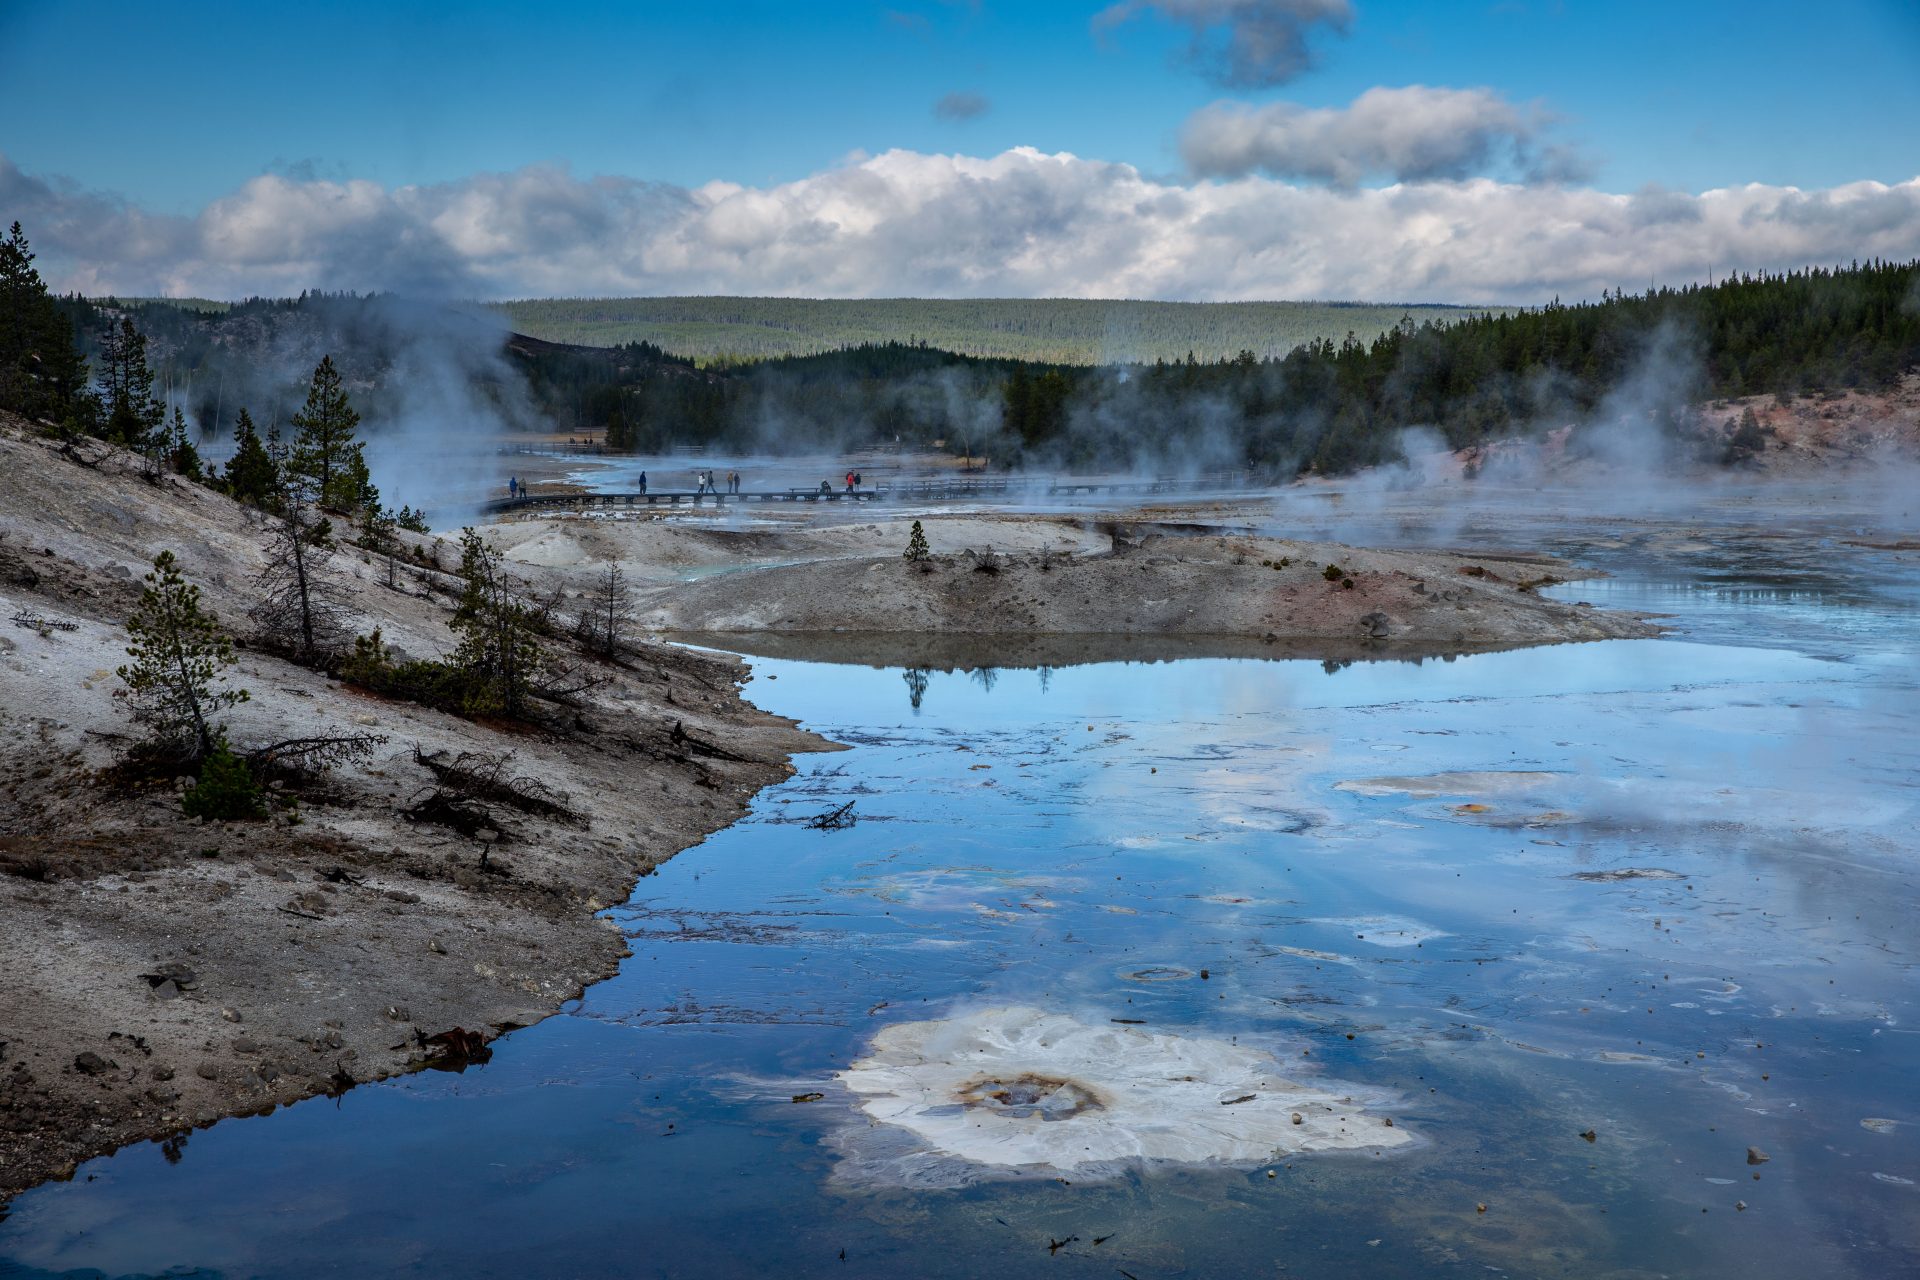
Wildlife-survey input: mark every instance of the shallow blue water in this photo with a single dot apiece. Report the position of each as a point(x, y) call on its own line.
point(1089, 839)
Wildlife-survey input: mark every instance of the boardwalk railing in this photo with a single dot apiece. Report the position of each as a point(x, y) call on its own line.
point(898, 490)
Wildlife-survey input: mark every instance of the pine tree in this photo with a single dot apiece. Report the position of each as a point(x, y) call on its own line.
point(226, 789)
point(182, 456)
point(178, 651)
point(302, 603)
point(324, 448)
point(499, 656)
point(251, 475)
point(602, 625)
point(134, 418)
point(380, 535)
point(42, 374)
point(917, 551)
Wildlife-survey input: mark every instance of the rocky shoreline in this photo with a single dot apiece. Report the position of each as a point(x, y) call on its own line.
point(166, 972)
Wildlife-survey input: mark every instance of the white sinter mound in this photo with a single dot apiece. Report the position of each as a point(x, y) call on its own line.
point(1021, 1088)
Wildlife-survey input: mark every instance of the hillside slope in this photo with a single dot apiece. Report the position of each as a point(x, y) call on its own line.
point(321, 944)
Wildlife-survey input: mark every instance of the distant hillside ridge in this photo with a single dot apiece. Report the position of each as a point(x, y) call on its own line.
point(720, 330)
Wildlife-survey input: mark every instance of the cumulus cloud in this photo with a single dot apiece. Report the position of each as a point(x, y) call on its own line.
point(1019, 224)
point(1241, 43)
point(1413, 134)
point(961, 106)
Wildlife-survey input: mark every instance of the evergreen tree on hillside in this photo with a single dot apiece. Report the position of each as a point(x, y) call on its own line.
point(182, 456)
point(250, 475)
point(325, 450)
point(134, 418)
point(499, 655)
point(302, 606)
point(178, 652)
point(42, 374)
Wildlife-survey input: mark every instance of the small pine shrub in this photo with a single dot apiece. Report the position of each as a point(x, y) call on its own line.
point(917, 551)
point(226, 790)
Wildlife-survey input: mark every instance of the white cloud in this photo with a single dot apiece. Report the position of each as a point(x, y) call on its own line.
point(1241, 43)
point(1409, 134)
point(1019, 224)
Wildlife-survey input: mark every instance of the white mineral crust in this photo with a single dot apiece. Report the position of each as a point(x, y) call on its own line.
point(1022, 1087)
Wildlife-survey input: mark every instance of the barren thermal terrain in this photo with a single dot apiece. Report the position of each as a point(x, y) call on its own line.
point(163, 972)
point(1222, 586)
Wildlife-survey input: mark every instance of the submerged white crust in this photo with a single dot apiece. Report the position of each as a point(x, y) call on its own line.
point(1018, 1087)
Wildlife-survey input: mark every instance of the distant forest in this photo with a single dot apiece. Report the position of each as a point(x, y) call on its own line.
point(1324, 406)
point(1328, 405)
point(1051, 330)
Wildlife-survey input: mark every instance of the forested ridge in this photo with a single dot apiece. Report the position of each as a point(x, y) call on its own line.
point(720, 330)
point(1326, 405)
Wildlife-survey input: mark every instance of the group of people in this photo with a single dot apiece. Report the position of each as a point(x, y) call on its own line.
point(704, 483)
point(853, 482)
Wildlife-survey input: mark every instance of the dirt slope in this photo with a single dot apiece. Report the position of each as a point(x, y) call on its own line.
point(287, 954)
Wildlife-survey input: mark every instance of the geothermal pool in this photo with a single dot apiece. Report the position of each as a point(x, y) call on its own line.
point(1585, 923)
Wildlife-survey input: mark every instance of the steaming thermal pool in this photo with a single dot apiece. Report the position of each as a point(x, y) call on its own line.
point(1585, 922)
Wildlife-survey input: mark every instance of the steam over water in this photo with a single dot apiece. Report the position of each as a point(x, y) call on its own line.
point(1585, 922)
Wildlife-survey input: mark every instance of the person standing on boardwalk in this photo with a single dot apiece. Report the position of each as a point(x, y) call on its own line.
point(643, 482)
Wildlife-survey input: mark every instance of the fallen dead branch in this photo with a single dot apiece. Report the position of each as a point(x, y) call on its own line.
point(482, 777)
point(35, 622)
point(302, 758)
point(699, 747)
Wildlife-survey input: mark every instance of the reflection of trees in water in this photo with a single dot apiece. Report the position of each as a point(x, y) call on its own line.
point(1046, 678)
point(916, 678)
point(986, 677)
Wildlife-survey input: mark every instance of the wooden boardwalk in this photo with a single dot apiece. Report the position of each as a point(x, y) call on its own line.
point(669, 498)
point(895, 491)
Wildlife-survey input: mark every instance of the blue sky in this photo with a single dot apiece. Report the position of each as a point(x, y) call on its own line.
point(167, 109)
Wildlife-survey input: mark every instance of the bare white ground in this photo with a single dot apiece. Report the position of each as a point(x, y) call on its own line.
point(1022, 1089)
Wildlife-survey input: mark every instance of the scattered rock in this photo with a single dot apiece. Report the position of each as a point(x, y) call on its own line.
point(1591, 1136)
point(1756, 1156)
point(92, 1064)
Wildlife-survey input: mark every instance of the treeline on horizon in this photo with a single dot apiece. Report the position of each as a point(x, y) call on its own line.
point(723, 331)
point(1326, 405)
